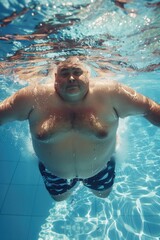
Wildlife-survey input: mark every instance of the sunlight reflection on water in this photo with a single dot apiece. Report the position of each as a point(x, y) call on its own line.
point(117, 42)
point(130, 212)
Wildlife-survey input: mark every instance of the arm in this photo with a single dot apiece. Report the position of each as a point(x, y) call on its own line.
point(17, 106)
point(128, 102)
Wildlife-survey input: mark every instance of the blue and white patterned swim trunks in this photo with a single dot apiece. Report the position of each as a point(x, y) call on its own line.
point(100, 182)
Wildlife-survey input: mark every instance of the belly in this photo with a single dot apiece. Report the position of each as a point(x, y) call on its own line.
point(75, 155)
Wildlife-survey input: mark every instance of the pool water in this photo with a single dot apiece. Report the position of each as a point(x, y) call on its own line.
point(125, 45)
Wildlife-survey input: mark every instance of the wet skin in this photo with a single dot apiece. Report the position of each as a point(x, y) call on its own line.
point(72, 136)
point(73, 122)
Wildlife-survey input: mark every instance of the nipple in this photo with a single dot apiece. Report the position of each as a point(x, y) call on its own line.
point(45, 129)
point(102, 134)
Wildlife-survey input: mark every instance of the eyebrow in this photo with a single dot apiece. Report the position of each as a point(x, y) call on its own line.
point(73, 68)
point(64, 69)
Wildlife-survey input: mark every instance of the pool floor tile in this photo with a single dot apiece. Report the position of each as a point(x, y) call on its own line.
point(42, 203)
point(19, 200)
point(7, 170)
point(35, 227)
point(26, 173)
point(3, 191)
point(14, 227)
point(153, 223)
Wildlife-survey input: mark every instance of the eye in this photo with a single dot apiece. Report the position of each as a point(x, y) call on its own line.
point(64, 73)
point(77, 71)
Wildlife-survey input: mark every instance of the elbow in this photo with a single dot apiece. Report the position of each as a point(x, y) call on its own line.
point(153, 114)
point(154, 119)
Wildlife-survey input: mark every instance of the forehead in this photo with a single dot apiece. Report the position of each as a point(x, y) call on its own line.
point(71, 65)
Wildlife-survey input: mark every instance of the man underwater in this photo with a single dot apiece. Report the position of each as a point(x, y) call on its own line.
point(73, 124)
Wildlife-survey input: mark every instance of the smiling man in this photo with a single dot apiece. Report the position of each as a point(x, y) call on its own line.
point(73, 124)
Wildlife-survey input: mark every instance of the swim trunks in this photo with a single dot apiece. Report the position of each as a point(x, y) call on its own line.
point(100, 182)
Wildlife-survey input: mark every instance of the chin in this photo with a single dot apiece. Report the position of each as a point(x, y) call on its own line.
point(74, 97)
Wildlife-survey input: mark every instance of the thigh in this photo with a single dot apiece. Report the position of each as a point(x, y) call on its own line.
point(54, 184)
point(104, 180)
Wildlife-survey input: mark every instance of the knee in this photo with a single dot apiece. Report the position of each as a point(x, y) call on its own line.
point(59, 198)
point(102, 194)
point(62, 197)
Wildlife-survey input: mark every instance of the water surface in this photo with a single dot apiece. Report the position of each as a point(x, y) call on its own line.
point(116, 43)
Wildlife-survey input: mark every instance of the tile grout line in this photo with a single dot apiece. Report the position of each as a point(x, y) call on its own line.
point(31, 216)
point(9, 185)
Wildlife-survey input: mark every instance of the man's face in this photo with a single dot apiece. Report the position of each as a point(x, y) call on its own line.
point(72, 81)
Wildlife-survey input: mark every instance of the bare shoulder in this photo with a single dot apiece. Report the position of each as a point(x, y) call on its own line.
point(36, 90)
point(25, 91)
point(104, 86)
point(25, 96)
point(113, 88)
point(20, 95)
point(42, 92)
point(42, 88)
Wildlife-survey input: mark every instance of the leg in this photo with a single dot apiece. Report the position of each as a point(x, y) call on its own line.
point(102, 194)
point(60, 189)
point(101, 184)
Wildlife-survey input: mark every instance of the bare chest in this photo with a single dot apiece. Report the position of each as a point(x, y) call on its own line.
point(56, 122)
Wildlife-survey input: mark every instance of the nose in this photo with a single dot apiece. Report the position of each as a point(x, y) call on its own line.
point(71, 80)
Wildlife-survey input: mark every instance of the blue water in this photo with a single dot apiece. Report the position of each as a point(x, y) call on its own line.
point(125, 45)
